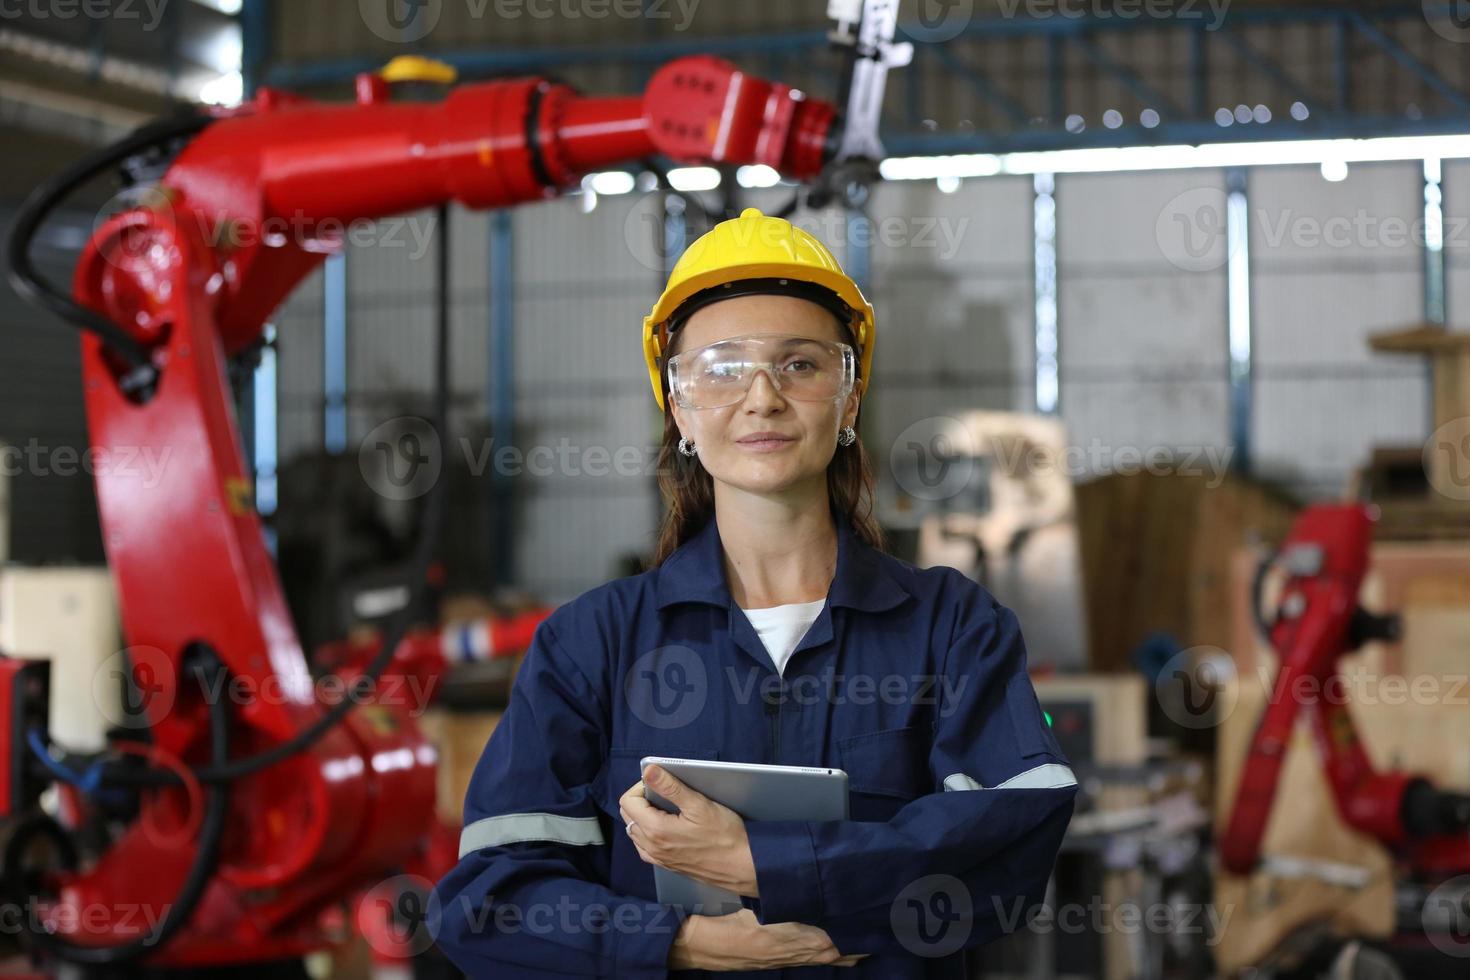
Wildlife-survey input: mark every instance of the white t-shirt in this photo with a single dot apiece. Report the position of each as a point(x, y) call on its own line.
point(782, 627)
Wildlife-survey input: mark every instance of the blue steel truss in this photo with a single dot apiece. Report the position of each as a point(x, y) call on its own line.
point(1032, 112)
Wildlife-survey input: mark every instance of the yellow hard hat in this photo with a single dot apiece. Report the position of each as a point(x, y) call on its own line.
point(766, 254)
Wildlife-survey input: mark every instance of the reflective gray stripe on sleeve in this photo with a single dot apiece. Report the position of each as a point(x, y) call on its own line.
point(1050, 776)
point(511, 828)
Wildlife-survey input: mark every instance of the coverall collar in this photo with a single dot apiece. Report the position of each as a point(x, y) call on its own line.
point(695, 572)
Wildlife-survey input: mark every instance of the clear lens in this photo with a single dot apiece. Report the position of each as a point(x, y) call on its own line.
point(720, 374)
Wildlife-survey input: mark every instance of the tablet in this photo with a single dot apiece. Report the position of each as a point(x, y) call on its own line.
point(754, 790)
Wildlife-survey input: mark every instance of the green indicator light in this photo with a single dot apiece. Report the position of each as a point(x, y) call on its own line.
point(1047, 716)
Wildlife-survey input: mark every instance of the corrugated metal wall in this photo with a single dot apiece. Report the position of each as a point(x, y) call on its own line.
point(1142, 335)
point(1332, 263)
point(952, 288)
point(1141, 328)
point(583, 284)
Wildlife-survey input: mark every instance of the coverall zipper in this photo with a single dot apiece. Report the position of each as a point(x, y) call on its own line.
point(773, 711)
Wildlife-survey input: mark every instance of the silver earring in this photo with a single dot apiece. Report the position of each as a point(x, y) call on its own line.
point(686, 448)
point(847, 436)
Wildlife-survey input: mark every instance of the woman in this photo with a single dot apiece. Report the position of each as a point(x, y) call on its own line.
point(772, 628)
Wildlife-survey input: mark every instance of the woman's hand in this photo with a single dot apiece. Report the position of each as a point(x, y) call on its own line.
point(705, 840)
point(738, 942)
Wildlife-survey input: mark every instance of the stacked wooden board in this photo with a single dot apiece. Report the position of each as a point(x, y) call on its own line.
point(1156, 552)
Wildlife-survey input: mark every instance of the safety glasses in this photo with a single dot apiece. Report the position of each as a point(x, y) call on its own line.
point(802, 368)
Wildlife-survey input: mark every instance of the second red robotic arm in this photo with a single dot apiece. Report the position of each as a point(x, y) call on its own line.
point(1318, 622)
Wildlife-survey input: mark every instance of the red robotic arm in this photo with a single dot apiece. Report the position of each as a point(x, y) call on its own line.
point(244, 211)
point(1319, 621)
point(272, 188)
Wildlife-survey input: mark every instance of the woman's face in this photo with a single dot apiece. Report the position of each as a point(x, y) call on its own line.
point(811, 426)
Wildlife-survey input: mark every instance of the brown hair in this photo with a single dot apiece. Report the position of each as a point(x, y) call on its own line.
point(690, 490)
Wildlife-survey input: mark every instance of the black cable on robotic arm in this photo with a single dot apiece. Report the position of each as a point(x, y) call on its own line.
point(201, 869)
point(32, 286)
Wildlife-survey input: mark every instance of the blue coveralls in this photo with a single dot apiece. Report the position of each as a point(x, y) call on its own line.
point(912, 680)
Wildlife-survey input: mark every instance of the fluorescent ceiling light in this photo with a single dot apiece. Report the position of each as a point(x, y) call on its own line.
point(226, 89)
point(609, 182)
point(1109, 159)
point(758, 175)
point(694, 178)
